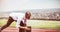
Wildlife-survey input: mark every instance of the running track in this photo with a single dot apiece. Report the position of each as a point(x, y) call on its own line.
point(33, 30)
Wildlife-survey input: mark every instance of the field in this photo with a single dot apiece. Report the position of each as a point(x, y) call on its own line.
point(36, 24)
point(4, 21)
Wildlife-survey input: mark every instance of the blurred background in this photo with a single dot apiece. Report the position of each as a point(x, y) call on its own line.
point(44, 12)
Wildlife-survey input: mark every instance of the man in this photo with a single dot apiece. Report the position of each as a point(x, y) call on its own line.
point(20, 19)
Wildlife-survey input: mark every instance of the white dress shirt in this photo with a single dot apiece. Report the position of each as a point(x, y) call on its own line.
point(18, 17)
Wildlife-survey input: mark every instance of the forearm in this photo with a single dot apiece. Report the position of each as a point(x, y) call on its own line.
point(22, 27)
point(26, 27)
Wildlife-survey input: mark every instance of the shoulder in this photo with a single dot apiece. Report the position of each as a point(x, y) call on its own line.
point(11, 14)
point(16, 13)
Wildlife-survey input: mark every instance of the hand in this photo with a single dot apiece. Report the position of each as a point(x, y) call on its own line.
point(26, 28)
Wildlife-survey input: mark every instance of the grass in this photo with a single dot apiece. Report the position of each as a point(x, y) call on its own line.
point(36, 24)
point(4, 21)
point(44, 24)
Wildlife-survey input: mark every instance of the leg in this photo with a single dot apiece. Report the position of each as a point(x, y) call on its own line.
point(10, 20)
point(22, 30)
point(29, 29)
point(25, 30)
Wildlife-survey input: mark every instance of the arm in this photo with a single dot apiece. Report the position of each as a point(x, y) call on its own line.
point(26, 27)
point(23, 27)
point(18, 24)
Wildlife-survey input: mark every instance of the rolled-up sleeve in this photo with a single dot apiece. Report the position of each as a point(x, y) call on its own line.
point(18, 22)
point(20, 17)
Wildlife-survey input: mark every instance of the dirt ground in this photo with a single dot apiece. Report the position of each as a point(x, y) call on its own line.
point(9, 29)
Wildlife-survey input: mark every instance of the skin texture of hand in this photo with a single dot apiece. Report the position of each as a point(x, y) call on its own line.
point(26, 28)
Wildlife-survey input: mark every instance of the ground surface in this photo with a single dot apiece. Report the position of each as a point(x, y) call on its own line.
point(36, 23)
point(9, 29)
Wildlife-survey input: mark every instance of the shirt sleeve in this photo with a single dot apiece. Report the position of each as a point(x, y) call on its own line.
point(20, 17)
point(18, 22)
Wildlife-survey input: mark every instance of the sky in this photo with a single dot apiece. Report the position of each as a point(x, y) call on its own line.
point(14, 5)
